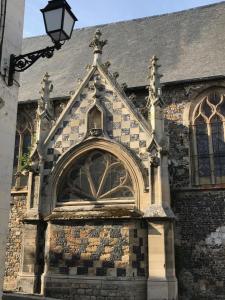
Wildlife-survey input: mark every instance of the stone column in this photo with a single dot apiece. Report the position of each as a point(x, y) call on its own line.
point(46, 258)
point(28, 276)
point(170, 262)
point(162, 283)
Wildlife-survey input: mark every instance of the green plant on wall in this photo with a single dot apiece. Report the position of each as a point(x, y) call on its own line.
point(24, 162)
point(24, 159)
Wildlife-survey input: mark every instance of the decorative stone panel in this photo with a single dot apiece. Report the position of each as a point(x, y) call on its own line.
point(99, 248)
point(121, 125)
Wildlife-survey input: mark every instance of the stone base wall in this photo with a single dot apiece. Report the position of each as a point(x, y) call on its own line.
point(14, 243)
point(200, 244)
point(99, 248)
point(87, 288)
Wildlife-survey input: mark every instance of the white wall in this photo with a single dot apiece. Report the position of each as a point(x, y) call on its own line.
point(12, 44)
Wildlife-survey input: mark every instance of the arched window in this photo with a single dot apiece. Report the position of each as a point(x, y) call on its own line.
point(98, 175)
point(22, 149)
point(208, 137)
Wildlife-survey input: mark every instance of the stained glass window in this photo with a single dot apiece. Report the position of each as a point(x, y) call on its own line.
point(98, 175)
point(209, 140)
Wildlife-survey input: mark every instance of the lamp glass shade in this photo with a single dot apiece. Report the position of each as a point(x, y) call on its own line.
point(53, 19)
point(59, 20)
point(68, 23)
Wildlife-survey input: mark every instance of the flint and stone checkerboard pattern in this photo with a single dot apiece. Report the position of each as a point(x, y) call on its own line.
point(121, 125)
point(109, 248)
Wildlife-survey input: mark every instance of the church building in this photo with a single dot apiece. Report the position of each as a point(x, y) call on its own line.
point(118, 186)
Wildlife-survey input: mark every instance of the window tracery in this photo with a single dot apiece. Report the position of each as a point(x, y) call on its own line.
point(23, 140)
point(208, 128)
point(98, 175)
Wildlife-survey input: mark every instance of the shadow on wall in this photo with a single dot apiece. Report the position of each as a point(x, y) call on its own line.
point(200, 244)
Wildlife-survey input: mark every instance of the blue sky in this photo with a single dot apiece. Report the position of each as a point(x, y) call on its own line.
point(95, 12)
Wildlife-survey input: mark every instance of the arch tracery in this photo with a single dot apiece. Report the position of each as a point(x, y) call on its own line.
point(208, 137)
point(97, 175)
point(23, 141)
point(129, 182)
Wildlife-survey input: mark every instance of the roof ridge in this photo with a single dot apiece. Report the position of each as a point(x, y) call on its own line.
point(139, 19)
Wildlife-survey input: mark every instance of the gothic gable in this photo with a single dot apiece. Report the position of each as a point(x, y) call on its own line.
point(120, 121)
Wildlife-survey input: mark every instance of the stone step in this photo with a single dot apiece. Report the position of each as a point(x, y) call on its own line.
point(20, 296)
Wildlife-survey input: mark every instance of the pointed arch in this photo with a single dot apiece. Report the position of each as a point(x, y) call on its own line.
point(95, 118)
point(131, 178)
point(97, 175)
point(207, 119)
point(23, 142)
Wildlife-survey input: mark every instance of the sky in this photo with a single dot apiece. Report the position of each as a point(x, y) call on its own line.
point(96, 12)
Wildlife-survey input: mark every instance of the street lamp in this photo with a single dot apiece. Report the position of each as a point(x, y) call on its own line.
point(59, 22)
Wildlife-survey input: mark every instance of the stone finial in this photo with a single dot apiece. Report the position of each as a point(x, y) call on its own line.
point(154, 82)
point(45, 104)
point(154, 88)
point(153, 108)
point(97, 44)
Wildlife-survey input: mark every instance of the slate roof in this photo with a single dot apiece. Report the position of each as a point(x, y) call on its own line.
point(190, 44)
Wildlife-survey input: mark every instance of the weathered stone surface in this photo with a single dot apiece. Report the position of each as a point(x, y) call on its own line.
point(92, 289)
point(14, 243)
point(11, 23)
point(108, 248)
point(200, 244)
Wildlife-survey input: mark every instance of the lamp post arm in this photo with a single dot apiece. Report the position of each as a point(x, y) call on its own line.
point(24, 61)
